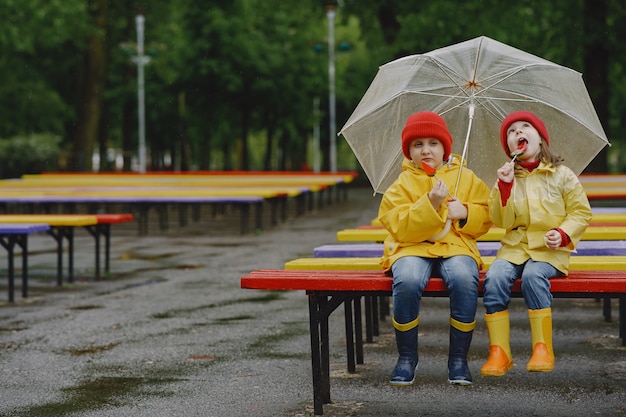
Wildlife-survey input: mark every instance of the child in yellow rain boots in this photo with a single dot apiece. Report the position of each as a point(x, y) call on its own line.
point(545, 211)
point(415, 210)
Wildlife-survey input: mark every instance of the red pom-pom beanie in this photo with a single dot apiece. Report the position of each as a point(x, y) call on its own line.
point(522, 116)
point(426, 124)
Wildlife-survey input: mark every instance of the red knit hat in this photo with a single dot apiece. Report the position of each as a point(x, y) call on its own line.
point(426, 124)
point(526, 116)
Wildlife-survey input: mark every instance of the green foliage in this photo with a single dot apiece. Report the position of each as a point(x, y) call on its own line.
point(234, 81)
point(29, 154)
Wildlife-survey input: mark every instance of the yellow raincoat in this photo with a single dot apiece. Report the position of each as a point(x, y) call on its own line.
point(410, 218)
point(541, 200)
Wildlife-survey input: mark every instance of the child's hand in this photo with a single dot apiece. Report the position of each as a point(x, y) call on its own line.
point(438, 194)
point(506, 172)
point(552, 239)
point(456, 209)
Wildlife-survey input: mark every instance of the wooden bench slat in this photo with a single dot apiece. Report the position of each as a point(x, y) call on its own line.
point(51, 219)
point(494, 234)
point(371, 250)
point(577, 282)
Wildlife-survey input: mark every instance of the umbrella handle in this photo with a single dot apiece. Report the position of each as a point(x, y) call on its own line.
point(464, 154)
point(441, 234)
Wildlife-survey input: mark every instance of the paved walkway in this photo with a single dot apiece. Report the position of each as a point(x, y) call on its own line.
point(170, 333)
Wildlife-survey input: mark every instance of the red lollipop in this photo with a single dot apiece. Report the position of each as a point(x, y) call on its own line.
point(519, 151)
point(430, 170)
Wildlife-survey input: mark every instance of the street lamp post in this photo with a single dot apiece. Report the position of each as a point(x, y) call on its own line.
point(141, 60)
point(331, 6)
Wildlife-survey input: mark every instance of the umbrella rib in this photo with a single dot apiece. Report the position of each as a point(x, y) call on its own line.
point(444, 70)
point(511, 73)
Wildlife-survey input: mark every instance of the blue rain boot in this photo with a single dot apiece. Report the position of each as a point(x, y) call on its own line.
point(460, 340)
point(406, 340)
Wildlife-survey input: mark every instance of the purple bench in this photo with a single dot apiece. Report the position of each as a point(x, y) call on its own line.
point(17, 234)
point(372, 250)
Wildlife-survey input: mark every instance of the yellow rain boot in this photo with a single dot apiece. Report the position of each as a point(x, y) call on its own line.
point(542, 359)
point(500, 358)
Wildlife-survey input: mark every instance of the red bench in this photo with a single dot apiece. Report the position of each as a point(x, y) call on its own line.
point(328, 289)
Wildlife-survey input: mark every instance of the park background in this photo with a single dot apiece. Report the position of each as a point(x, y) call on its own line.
point(244, 84)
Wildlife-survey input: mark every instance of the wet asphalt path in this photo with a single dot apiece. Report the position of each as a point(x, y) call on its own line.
point(170, 333)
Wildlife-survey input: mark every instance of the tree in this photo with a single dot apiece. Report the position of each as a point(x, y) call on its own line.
point(91, 81)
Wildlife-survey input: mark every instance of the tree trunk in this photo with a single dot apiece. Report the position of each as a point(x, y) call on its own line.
point(596, 72)
point(90, 91)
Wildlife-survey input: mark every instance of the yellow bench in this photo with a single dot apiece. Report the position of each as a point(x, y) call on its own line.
point(596, 218)
point(494, 234)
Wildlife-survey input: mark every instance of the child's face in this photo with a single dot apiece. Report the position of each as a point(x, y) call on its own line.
point(524, 132)
point(428, 150)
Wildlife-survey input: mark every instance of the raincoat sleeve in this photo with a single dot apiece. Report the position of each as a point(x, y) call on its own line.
point(408, 215)
point(577, 208)
point(502, 216)
point(478, 221)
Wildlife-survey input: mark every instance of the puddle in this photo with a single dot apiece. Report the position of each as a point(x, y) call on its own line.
point(99, 393)
point(12, 329)
point(192, 266)
point(90, 350)
point(265, 346)
point(201, 358)
point(86, 307)
point(127, 255)
point(227, 320)
point(265, 298)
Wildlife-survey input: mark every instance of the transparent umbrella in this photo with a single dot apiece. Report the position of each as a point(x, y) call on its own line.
point(473, 85)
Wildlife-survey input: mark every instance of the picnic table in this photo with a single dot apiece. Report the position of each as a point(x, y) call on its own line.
point(61, 228)
point(144, 192)
point(14, 235)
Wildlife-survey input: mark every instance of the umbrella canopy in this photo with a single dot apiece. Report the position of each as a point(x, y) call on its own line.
point(473, 85)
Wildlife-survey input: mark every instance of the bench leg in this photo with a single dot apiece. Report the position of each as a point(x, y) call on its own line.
point(622, 319)
point(22, 241)
point(283, 209)
point(182, 214)
point(349, 336)
point(358, 330)
point(58, 234)
point(606, 309)
point(384, 307)
point(95, 231)
point(316, 355)
point(375, 315)
point(369, 319)
point(70, 254)
point(320, 308)
point(273, 211)
point(107, 247)
point(258, 210)
point(245, 218)
point(9, 245)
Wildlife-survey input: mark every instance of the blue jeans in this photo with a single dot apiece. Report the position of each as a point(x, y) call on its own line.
point(412, 273)
point(535, 284)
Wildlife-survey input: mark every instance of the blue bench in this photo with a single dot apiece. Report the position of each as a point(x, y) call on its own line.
point(12, 235)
